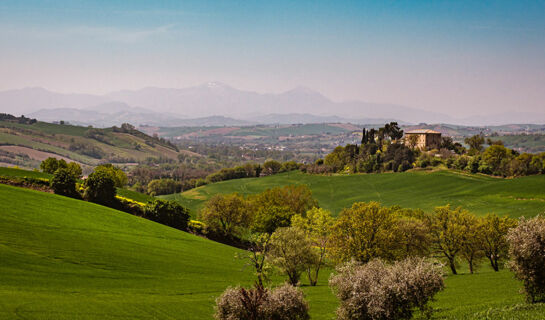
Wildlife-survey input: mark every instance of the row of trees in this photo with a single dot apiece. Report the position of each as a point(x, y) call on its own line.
point(362, 232)
point(384, 255)
point(187, 181)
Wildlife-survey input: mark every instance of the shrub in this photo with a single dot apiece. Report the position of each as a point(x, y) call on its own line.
point(100, 188)
point(527, 253)
point(167, 212)
point(64, 183)
point(377, 290)
point(282, 303)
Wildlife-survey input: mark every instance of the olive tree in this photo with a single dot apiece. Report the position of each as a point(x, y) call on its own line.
point(527, 253)
point(283, 303)
point(377, 290)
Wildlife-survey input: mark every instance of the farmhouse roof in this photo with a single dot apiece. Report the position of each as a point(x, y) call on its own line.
point(422, 131)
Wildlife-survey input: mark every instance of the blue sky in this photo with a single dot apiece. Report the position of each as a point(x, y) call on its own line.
point(457, 57)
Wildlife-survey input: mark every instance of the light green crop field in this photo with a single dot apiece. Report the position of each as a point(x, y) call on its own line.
point(20, 173)
point(62, 258)
point(417, 189)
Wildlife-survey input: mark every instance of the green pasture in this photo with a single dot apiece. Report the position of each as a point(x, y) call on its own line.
point(20, 173)
point(62, 258)
point(480, 194)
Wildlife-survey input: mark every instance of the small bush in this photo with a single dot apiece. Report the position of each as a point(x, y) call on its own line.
point(100, 188)
point(167, 212)
point(283, 303)
point(380, 291)
point(527, 253)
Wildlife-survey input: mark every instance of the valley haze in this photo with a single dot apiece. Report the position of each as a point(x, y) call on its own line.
point(217, 104)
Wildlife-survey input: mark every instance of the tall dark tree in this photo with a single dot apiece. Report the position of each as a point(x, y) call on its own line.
point(364, 137)
point(371, 135)
point(393, 131)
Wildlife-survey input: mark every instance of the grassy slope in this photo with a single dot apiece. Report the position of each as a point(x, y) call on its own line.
point(426, 190)
point(56, 138)
point(71, 259)
point(20, 173)
point(66, 259)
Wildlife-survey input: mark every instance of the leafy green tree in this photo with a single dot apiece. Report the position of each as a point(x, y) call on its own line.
point(414, 234)
point(393, 131)
point(365, 231)
point(471, 249)
point(100, 188)
point(271, 167)
point(74, 169)
point(316, 225)
point(448, 230)
point(50, 165)
point(291, 251)
point(274, 207)
point(256, 257)
point(226, 214)
point(119, 177)
point(167, 212)
point(64, 183)
point(475, 143)
point(496, 158)
point(492, 234)
point(163, 186)
point(336, 159)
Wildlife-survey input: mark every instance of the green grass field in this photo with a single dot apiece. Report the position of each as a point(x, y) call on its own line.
point(418, 189)
point(62, 258)
point(20, 173)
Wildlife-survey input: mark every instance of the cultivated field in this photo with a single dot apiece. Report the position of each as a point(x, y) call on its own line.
point(417, 189)
point(67, 259)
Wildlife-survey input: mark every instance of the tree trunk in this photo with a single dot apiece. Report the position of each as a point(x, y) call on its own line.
point(470, 261)
point(294, 279)
point(452, 266)
point(496, 265)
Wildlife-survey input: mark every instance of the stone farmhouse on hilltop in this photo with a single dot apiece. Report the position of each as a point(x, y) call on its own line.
point(424, 139)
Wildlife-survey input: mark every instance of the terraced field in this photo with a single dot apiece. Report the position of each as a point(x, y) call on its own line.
point(417, 189)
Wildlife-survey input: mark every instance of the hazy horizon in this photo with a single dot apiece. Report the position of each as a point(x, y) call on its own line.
point(458, 58)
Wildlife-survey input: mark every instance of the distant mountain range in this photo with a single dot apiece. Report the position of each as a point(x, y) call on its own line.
point(216, 104)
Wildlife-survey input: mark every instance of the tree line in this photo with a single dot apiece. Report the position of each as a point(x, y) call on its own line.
point(286, 231)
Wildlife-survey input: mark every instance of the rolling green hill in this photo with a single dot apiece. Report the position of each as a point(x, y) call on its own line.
point(26, 144)
point(416, 189)
point(62, 258)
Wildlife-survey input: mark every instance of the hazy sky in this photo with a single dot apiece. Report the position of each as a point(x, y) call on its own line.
point(456, 57)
